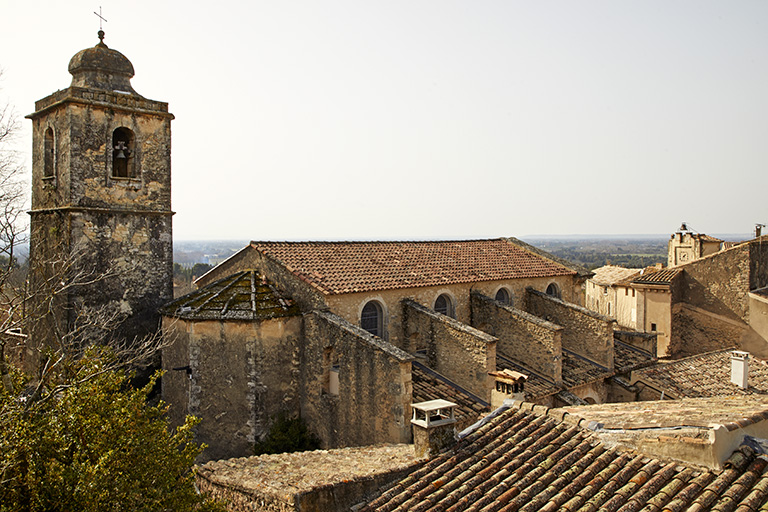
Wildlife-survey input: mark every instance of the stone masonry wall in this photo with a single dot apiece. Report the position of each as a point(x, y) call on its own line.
point(586, 333)
point(521, 336)
point(695, 330)
point(119, 230)
point(349, 306)
point(758, 263)
point(641, 340)
point(459, 352)
point(241, 375)
point(375, 389)
point(718, 283)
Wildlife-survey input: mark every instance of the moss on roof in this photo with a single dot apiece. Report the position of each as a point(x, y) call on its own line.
point(246, 295)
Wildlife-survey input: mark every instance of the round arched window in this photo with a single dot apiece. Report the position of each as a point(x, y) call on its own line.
point(503, 296)
point(444, 305)
point(123, 153)
point(371, 318)
point(553, 290)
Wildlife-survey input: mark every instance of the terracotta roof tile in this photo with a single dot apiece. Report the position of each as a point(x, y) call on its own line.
point(627, 357)
point(653, 275)
point(349, 267)
point(704, 375)
point(608, 275)
point(429, 385)
point(523, 461)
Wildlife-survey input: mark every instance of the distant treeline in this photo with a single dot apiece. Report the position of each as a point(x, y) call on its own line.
point(595, 253)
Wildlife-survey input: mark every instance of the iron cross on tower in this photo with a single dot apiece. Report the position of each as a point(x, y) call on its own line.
point(101, 20)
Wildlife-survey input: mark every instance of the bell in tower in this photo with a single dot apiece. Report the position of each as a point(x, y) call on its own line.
point(101, 200)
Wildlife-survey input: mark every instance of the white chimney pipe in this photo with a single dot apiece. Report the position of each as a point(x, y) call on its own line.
point(740, 368)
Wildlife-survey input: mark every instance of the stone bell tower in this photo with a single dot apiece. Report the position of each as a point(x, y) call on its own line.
point(101, 199)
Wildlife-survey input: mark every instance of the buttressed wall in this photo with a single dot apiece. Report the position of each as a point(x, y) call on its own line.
point(586, 333)
point(459, 352)
point(371, 403)
point(522, 336)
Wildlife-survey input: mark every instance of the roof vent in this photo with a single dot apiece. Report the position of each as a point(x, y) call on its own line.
point(740, 368)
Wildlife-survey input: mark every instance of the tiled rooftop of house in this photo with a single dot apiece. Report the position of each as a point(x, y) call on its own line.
point(349, 267)
point(706, 238)
point(279, 481)
point(242, 296)
point(703, 375)
point(529, 460)
point(652, 275)
point(428, 385)
point(578, 370)
point(627, 357)
point(611, 274)
point(691, 412)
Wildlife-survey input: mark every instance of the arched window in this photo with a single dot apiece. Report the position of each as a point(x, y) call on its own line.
point(49, 162)
point(123, 153)
point(444, 305)
point(504, 297)
point(371, 318)
point(553, 290)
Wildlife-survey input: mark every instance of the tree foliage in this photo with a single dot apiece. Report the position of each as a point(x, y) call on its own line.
point(75, 435)
point(288, 434)
point(94, 445)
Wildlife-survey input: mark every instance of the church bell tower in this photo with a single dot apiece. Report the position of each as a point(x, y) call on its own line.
point(101, 198)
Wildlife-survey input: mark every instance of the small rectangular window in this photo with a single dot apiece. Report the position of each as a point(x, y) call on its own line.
point(653, 327)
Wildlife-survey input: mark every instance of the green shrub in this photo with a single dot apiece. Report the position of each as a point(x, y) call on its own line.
point(287, 434)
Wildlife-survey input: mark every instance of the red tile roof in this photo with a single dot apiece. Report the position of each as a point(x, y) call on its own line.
point(703, 375)
point(429, 385)
point(611, 274)
point(524, 461)
point(707, 238)
point(349, 267)
point(655, 276)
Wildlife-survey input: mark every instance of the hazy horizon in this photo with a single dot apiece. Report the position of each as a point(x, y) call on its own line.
point(434, 119)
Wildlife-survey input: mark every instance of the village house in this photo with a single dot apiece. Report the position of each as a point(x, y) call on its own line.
point(714, 300)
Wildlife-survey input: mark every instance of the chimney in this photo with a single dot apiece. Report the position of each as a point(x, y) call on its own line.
point(740, 368)
point(433, 427)
point(509, 384)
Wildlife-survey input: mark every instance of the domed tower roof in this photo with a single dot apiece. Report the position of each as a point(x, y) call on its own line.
point(101, 67)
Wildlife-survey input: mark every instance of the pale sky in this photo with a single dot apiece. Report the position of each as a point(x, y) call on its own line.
point(327, 119)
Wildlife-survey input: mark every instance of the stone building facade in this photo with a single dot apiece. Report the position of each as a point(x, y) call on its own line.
point(685, 246)
point(382, 325)
point(710, 302)
point(101, 195)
